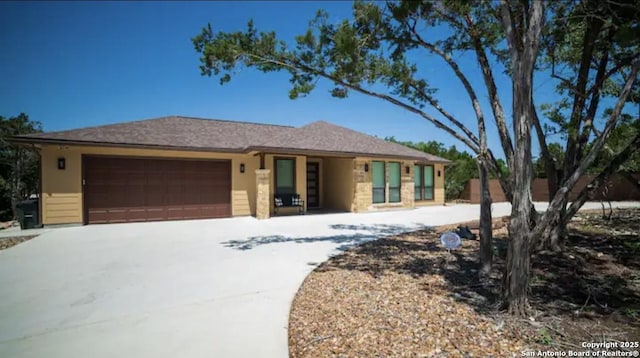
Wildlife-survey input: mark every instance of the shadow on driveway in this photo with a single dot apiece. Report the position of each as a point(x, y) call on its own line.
point(361, 234)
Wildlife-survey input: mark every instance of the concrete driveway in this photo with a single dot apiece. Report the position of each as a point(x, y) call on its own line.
point(207, 288)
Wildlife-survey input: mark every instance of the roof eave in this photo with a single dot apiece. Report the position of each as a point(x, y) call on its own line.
point(300, 151)
point(274, 150)
point(27, 140)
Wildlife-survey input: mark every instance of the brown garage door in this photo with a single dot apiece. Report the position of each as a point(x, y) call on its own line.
point(134, 189)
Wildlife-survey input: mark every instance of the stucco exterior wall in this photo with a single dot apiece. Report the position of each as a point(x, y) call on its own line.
point(337, 186)
point(301, 177)
point(62, 189)
point(438, 194)
point(344, 184)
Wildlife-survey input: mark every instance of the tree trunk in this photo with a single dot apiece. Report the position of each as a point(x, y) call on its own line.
point(523, 48)
point(553, 236)
point(516, 275)
point(486, 227)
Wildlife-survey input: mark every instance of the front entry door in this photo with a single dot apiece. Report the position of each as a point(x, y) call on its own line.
point(313, 185)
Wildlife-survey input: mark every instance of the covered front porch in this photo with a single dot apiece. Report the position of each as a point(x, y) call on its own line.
point(331, 184)
point(324, 184)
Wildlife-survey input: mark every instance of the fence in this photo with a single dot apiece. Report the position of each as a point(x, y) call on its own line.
point(618, 189)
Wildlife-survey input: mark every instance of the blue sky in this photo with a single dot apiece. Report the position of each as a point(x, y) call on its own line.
point(78, 64)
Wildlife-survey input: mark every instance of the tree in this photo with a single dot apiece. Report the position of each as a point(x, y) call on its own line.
point(371, 55)
point(464, 168)
point(19, 166)
point(592, 50)
point(355, 56)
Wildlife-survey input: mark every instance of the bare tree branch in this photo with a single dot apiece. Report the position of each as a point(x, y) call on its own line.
point(465, 82)
point(535, 20)
point(591, 32)
point(509, 28)
point(489, 158)
point(496, 106)
point(297, 66)
point(593, 107)
point(589, 158)
point(612, 71)
point(549, 162)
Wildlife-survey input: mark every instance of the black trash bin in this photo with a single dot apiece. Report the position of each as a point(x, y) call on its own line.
point(28, 214)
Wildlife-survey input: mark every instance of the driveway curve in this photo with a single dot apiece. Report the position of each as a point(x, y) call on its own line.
point(206, 288)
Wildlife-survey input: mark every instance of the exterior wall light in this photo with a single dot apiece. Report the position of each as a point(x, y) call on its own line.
point(366, 167)
point(438, 173)
point(62, 163)
point(241, 167)
point(407, 169)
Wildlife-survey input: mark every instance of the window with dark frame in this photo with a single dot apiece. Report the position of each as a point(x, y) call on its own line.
point(394, 182)
point(379, 181)
point(285, 175)
point(423, 182)
point(417, 182)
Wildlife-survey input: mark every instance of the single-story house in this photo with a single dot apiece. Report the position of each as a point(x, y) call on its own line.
point(173, 168)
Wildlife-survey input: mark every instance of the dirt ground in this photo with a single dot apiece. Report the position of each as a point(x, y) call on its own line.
point(405, 296)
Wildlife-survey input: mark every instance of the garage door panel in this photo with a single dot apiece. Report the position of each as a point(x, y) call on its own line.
point(136, 214)
point(138, 178)
point(154, 195)
point(155, 179)
point(156, 213)
point(134, 197)
point(101, 216)
point(131, 189)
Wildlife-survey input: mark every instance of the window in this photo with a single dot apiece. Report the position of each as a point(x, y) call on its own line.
point(428, 182)
point(378, 173)
point(394, 182)
point(285, 176)
point(423, 182)
point(417, 182)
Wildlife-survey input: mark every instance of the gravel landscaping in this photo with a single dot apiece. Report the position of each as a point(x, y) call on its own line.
point(7, 242)
point(404, 296)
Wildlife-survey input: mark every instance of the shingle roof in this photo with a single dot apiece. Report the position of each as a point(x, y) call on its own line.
point(173, 131)
point(321, 136)
point(210, 134)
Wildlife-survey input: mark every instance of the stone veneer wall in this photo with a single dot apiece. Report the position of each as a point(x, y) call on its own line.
point(362, 186)
point(262, 193)
point(407, 186)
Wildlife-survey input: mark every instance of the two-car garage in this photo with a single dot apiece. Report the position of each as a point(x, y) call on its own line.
point(125, 189)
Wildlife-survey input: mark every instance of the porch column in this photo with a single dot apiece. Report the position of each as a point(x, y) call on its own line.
point(407, 188)
point(262, 193)
point(362, 187)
